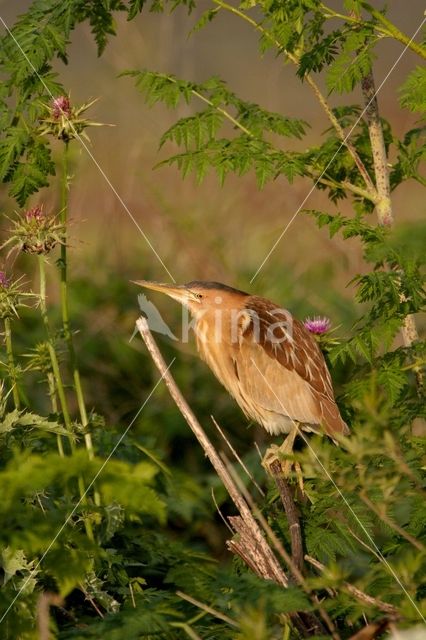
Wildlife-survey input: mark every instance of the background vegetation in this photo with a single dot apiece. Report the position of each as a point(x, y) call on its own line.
point(120, 556)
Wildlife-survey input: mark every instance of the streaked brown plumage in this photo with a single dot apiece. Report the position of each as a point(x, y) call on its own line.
point(266, 359)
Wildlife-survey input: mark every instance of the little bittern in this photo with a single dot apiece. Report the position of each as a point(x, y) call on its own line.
point(266, 359)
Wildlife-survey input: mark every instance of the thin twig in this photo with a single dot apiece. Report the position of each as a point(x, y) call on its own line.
point(323, 102)
point(185, 627)
point(359, 595)
point(237, 457)
point(45, 601)
point(384, 203)
point(380, 161)
point(287, 559)
point(276, 572)
point(224, 520)
point(92, 601)
point(291, 513)
point(208, 609)
point(371, 630)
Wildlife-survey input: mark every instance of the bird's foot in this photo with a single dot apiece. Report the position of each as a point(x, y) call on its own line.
point(280, 459)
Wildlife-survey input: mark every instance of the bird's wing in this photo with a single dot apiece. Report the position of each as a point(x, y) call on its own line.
point(292, 376)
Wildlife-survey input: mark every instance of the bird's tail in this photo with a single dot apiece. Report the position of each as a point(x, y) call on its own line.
point(331, 418)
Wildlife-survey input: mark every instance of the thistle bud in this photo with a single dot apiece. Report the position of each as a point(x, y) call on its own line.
point(36, 213)
point(35, 231)
point(61, 106)
point(65, 121)
point(11, 296)
point(4, 280)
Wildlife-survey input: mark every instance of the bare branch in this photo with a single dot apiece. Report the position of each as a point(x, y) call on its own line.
point(276, 572)
point(371, 631)
point(291, 513)
point(357, 593)
point(384, 203)
point(207, 609)
point(44, 602)
point(322, 100)
point(380, 160)
point(313, 623)
point(250, 544)
point(237, 457)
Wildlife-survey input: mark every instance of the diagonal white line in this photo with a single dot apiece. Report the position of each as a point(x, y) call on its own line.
point(69, 516)
point(378, 552)
point(90, 154)
point(282, 234)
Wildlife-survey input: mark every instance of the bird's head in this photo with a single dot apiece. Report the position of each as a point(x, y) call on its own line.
point(198, 296)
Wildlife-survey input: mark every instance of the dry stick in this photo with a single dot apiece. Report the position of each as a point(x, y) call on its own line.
point(288, 560)
point(291, 513)
point(185, 627)
point(263, 550)
point(342, 135)
point(261, 559)
point(384, 202)
point(237, 457)
point(208, 609)
point(222, 517)
point(380, 160)
point(45, 600)
point(371, 631)
point(357, 593)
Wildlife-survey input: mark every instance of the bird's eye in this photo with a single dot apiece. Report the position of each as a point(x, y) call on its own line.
point(198, 295)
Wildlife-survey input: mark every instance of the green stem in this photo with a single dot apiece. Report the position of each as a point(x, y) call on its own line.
point(225, 113)
point(11, 363)
point(65, 307)
point(54, 402)
point(52, 353)
point(322, 100)
point(394, 32)
point(385, 28)
point(59, 385)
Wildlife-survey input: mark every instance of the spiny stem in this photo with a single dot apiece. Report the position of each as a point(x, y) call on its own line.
point(54, 403)
point(64, 306)
point(52, 353)
point(11, 363)
point(59, 385)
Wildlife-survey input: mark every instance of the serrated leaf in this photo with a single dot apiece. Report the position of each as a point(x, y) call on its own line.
point(135, 7)
point(413, 91)
point(14, 561)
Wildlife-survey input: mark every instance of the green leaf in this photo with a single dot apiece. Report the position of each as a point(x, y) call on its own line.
point(413, 91)
point(353, 64)
point(135, 7)
point(13, 562)
point(17, 418)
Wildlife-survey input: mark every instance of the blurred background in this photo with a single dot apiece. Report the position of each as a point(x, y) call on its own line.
point(199, 231)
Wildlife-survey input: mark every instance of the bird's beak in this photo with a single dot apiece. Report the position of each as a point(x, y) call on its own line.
point(178, 292)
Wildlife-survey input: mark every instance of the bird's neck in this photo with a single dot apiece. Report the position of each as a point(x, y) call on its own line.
point(221, 325)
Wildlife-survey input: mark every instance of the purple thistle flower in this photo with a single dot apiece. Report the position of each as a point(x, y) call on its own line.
point(36, 213)
point(4, 280)
point(61, 106)
point(317, 325)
